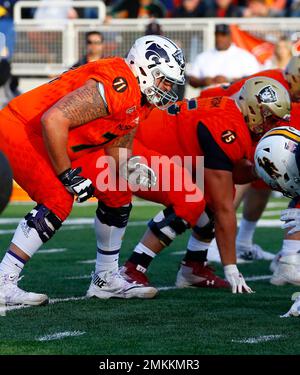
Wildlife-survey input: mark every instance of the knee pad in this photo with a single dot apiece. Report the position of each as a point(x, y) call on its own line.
point(45, 222)
point(167, 225)
point(113, 217)
point(205, 227)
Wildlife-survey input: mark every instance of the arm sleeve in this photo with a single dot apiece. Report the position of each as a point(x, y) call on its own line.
point(214, 156)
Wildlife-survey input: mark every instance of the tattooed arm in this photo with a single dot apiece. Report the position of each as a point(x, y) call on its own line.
point(77, 108)
point(121, 149)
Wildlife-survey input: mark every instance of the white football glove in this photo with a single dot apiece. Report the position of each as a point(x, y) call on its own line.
point(137, 173)
point(295, 309)
point(236, 279)
point(291, 216)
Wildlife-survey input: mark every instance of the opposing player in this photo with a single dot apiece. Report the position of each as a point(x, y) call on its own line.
point(277, 161)
point(257, 195)
point(50, 135)
point(5, 182)
point(223, 130)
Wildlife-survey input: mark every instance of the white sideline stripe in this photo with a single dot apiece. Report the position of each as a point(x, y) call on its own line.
point(81, 277)
point(84, 204)
point(277, 204)
point(51, 302)
point(249, 278)
point(257, 278)
point(51, 251)
point(88, 261)
point(90, 221)
point(60, 335)
point(259, 339)
point(265, 214)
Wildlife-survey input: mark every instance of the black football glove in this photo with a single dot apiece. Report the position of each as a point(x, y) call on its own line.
point(77, 185)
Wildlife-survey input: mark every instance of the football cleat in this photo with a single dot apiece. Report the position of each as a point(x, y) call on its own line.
point(199, 275)
point(134, 272)
point(213, 254)
point(295, 309)
point(252, 252)
point(287, 271)
point(114, 285)
point(12, 295)
point(275, 262)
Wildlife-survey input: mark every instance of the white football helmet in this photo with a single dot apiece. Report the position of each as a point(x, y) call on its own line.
point(277, 160)
point(154, 57)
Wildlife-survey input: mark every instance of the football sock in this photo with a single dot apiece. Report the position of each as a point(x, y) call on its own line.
point(246, 231)
point(142, 256)
point(290, 247)
point(27, 238)
point(196, 250)
point(11, 264)
point(109, 241)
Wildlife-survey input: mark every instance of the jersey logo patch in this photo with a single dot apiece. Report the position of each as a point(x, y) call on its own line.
point(269, 167)
point(267, 95)
point(120, 84)
point(228, 136)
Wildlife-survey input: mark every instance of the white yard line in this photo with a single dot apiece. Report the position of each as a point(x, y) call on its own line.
point(60, 335)
point(258, 278)
point(74, 223)
point(51, 251)
point(88, 261)
point(258, 339)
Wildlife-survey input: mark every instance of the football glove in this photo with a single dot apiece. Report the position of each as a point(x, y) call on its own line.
point(236, 279)
point(77, 185)
point(291, 216)
point(137, 173)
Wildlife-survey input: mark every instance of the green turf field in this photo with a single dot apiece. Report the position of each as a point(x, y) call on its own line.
point(189, 321)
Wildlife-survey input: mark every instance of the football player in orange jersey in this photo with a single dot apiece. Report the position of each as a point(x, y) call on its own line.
point(224, 131)
point(258, 193)
point(49, 133)
point(5, 182)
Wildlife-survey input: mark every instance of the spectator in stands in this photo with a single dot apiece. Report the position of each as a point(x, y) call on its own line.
point(59, 13)
point(8, 83)
point(225, 63)
point(137, 9)
point(293, 9)
point(7, 26)
point(190, 8)
point(94, 48)
point(223, 8)
point(264, 8)
point(282, 55)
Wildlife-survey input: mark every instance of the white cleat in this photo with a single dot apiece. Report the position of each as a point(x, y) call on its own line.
point(295, 309)
point(213, 254)
point(288, 271)
point(275, 262)
point(12, 295)
point(114, 285)
point(252, 252)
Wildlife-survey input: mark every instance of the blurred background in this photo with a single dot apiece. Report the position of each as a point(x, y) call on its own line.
point(223, 40)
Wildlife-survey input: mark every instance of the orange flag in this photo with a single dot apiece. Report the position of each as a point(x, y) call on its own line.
point(260, 48)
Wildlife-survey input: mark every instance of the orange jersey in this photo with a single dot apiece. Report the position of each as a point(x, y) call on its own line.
point(233, 88)
point(180, 130)
point(122, 95)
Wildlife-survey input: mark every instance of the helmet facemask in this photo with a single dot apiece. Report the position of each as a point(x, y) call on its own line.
point(162, 99)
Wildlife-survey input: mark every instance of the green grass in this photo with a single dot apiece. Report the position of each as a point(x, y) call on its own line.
point(191, 321)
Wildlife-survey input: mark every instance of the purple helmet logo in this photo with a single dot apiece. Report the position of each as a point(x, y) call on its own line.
point(154, 53)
